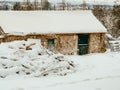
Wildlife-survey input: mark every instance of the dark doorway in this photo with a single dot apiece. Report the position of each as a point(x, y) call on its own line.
point(51, 44)
point(83, 44)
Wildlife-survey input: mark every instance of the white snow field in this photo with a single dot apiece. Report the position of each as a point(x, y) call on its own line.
point(26, 65)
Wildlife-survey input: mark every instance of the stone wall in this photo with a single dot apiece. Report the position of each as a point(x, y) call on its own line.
point(10, 38)
point(1, 40)
point(64, 43)
point(96, 43)
point(67, 44)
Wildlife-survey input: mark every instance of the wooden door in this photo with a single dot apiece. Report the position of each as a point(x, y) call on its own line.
point(83, 44)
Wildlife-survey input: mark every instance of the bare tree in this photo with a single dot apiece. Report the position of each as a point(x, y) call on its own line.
point(63, 5)
point(45, 5)
point(35, 4)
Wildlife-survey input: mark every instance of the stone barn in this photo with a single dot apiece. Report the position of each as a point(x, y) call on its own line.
point(67, 32)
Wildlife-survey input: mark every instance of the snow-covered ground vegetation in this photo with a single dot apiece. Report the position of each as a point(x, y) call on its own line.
point(26, 65)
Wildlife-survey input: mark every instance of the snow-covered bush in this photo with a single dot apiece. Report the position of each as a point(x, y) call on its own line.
point(31, 58)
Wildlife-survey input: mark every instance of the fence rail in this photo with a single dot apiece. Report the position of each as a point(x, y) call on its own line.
point(114, 46)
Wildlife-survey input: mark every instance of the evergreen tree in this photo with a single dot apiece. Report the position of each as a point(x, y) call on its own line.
point(17, 6)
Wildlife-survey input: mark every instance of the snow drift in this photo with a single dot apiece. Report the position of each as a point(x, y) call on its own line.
point(31, 58)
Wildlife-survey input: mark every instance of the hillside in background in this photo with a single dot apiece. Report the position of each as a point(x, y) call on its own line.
point(110, 18)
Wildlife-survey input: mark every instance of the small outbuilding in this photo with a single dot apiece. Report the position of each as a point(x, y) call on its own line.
point(68, 32)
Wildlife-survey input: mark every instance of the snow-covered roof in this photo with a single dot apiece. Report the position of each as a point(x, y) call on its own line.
point(50, 22)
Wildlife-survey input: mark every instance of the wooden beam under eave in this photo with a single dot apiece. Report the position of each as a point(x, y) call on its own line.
point(1, 31)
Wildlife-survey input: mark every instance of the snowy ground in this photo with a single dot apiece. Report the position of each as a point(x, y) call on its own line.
point(92, 72)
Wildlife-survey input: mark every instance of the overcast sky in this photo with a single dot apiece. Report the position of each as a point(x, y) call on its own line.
point(111, 2)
